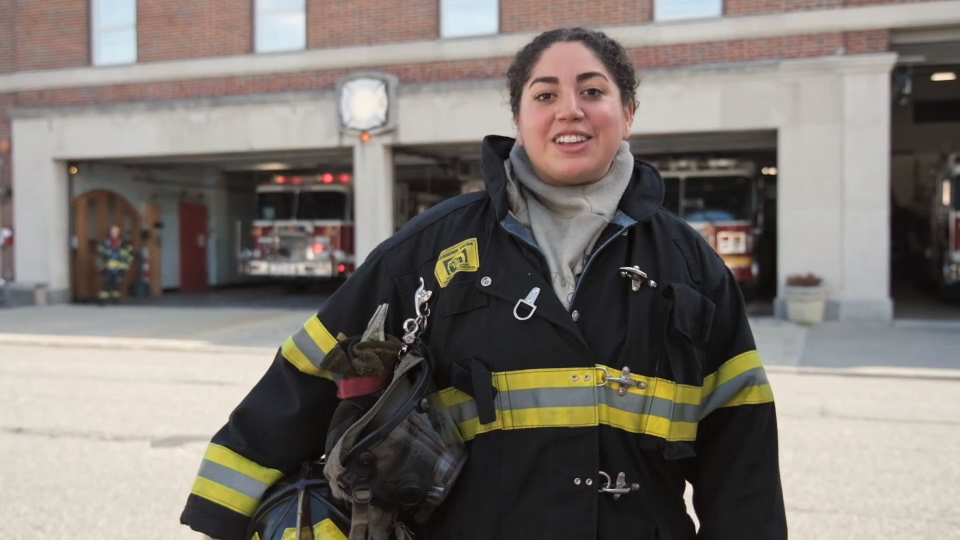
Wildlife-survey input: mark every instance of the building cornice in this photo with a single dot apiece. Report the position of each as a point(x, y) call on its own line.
point(913, 16)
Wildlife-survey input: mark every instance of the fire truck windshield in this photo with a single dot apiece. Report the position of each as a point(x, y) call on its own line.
point(322, 205)
point(273, 205)
point(710, 198)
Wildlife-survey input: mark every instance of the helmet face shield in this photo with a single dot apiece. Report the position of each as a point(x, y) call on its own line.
point(419, 460)
point(406, 452)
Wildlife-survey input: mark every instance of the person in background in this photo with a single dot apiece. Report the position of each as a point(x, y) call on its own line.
point(114, 258)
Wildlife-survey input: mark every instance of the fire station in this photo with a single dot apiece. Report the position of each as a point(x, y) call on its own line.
point(819, 127)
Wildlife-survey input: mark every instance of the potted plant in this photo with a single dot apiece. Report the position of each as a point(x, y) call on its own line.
point(806, 298)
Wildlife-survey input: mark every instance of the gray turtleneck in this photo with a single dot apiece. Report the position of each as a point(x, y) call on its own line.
point(565, 221)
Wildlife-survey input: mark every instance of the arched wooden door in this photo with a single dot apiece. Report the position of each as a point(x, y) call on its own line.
point(94, 212)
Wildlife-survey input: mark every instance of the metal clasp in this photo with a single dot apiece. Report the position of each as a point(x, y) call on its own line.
point(415, 326)
point(637, 277)
point(530, 302)
point(619, 488)
point(624, 380)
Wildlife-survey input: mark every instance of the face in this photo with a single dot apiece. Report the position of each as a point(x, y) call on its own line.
point(114, 232)
point(572, 118)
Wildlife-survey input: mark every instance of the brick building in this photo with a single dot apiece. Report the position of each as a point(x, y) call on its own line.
point(166, 101)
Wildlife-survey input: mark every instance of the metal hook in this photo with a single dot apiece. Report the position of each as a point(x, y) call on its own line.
point(415, 326)
point(637, 277)
point(620, 488)
point(530, 302)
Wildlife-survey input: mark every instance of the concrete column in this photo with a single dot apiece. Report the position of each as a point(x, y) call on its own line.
point(834, 185)
point(373, 179)
point(866, 192)
point(41, 216)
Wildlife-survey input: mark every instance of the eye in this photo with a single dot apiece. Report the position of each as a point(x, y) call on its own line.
point(593, 92)
point(543, 96)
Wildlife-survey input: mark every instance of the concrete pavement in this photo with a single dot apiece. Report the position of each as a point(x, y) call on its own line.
point(102, 444)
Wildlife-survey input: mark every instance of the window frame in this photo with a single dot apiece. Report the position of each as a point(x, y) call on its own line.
point(96, 29)
point(721, 8)
point(259, 11)
point(496, 32)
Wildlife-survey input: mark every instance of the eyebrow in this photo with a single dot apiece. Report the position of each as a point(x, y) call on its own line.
point(580, 78)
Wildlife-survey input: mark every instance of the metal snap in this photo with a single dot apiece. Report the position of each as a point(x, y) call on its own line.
point(575, 315)
point(586, 377)
point(574, 378)
point(577, 481)
point(486, 281)
point(642, 385)
point(589, 481)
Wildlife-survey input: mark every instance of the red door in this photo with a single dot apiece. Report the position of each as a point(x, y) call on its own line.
point(193, 247)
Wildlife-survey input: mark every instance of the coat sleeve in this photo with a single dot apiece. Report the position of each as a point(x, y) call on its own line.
point(283, 420)
point(736, 477)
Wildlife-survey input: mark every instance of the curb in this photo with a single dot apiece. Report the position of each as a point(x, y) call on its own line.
point(933, 374)
point(142, 344)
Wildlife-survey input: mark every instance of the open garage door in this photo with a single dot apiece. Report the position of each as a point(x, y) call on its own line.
point(925, 159)
point(195, 217)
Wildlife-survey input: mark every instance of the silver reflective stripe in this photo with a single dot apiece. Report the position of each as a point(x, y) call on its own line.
point(309, 347)
point(232, 479)
point(654, 406)
point(728, 390)
point(587, 396)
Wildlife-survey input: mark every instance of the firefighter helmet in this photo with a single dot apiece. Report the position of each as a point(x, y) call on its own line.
point(300, 507)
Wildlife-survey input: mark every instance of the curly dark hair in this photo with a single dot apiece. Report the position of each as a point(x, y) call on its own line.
point(608, 50)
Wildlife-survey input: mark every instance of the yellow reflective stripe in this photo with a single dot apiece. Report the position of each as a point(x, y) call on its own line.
point(315, 342)
point(224, 496)
point(295, 356)
point(222, 455)
point(320, 335)
point(553, 398)
point(731, 369)
point(739, 381)
point(325, 530)
point(647, 424)
point(231, 480)
point(752, 395)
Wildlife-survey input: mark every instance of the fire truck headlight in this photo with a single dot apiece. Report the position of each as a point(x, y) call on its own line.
point(731, 242)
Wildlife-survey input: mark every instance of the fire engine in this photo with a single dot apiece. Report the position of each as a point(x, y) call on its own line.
point(942, 254)
point(720, 199)
point(304, 229)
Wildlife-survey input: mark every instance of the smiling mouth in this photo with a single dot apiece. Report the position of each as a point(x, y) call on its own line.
point(571, 139)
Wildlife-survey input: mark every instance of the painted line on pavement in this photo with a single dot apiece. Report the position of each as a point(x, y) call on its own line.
point(97, 342)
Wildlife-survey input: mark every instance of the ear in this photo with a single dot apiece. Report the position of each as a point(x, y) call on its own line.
point(519, 137)
point(628, 113)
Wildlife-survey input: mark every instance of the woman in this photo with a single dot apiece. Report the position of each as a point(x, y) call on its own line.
point(595, 350)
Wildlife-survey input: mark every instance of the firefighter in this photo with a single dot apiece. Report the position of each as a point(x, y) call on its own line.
point(114, 257)
point(594, 350)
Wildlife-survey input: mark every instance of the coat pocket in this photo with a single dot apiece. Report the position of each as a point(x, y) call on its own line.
point(688, 322)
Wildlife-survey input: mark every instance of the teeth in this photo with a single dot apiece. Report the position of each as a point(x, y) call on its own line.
point(570, 139)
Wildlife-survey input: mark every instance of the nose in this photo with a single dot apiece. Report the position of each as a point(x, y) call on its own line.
point(568, 107)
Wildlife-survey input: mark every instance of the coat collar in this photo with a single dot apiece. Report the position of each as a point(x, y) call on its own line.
point(642, 198)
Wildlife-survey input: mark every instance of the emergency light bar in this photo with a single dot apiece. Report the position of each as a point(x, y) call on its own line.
point(325, 178)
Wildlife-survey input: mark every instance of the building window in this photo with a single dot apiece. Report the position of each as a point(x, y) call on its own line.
point(114, 32)
point(464, 18)
point(281, 25)
point(678, 10)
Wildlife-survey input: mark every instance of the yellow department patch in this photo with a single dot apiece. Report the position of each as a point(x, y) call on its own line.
point(463, 257)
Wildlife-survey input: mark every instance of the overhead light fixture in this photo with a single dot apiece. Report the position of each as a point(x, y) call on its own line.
point(942, 76)
point(270, 167)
